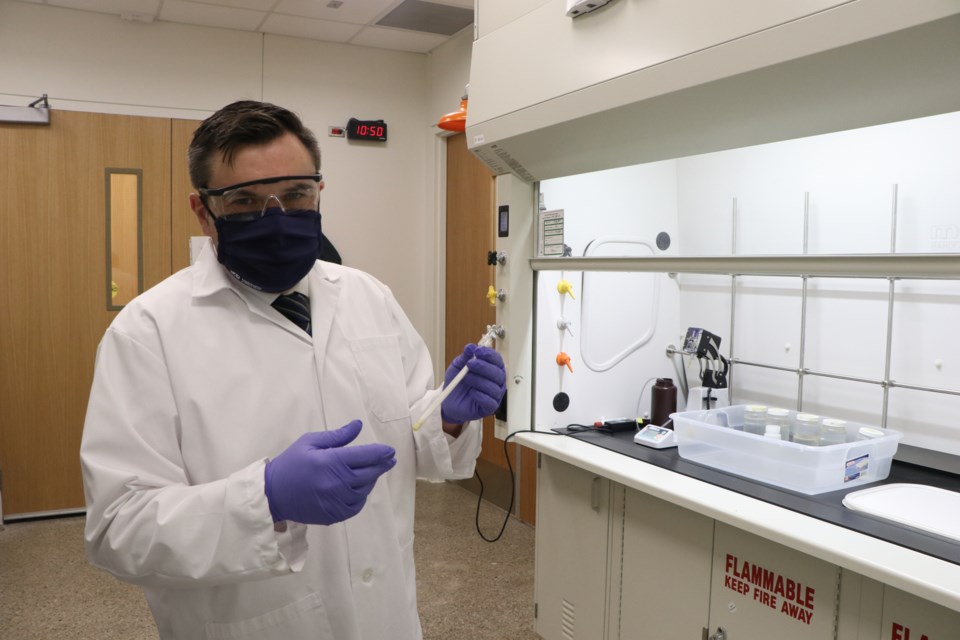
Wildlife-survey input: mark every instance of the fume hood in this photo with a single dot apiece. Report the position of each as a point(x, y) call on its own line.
point(647, 117)
point(641, 81)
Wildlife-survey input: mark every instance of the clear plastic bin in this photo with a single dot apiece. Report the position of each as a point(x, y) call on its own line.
point(715, 438)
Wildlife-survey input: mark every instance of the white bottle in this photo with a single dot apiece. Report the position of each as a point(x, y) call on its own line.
point(773, 431)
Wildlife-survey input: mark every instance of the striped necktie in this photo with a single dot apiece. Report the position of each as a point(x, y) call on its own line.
point(296, 307)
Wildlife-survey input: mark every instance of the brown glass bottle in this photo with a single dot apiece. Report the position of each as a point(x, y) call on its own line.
point(664, 402)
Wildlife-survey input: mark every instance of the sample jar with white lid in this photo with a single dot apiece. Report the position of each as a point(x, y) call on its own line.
point(833, 431)
point(754, 418)
point(780, 417)
point(867, 433)
point(806, 429)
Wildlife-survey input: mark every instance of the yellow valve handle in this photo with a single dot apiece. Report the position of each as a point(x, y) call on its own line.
point(565, 287)
point(492, 296)
point(564, 360)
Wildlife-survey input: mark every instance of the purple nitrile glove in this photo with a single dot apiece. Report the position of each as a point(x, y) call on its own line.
point(479, 393)
point(319, 480)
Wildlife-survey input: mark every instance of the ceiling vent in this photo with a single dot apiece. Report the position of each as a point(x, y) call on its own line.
point(429, 17)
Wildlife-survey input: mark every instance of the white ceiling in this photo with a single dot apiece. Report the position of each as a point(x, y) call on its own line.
point(352, 22)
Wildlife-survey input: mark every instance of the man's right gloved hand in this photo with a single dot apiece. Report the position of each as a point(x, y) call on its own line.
point(319, 480)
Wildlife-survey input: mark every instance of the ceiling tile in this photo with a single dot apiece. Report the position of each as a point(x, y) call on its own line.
point(355, 21)
point(398, 39)
point(256, 5)
point(353, 11)
point(308, 28)
point(210, 15)
point(114, 7)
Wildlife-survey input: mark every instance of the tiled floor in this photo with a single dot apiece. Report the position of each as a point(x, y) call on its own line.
point(468, 588)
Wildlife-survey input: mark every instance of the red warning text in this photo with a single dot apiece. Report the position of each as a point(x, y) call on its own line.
point(901, 632)
point(771, 589)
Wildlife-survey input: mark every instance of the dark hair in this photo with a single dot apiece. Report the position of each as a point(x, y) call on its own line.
point(239, 125)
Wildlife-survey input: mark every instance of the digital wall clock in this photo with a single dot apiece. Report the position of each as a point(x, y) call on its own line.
point(375, 130)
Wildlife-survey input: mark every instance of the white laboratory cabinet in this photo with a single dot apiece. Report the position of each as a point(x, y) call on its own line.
point(666, 560)
point(761, 589)
point(572, 549)
point(616, 563)
point(906, 617)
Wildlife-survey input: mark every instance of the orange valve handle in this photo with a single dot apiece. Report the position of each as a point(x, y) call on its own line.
point(564, 360)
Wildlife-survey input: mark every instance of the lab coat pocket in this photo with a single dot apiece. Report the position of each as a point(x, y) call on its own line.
point(380, 367)
point(305, 618)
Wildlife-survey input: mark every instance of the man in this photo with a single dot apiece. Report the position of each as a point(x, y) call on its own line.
point(216, 470)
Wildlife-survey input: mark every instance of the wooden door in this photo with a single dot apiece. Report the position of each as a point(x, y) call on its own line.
point(183, 223)
point(470, 223)
point(54, 301)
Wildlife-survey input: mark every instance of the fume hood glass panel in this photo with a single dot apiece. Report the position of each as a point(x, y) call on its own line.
point(847, 186)
point(887, 189)
point(844, 399)
point(709, 308)
point(927, 422)
point(767, 322)
point(846, 327)
point(632, 202)
point(754, 385)
point(926, 321)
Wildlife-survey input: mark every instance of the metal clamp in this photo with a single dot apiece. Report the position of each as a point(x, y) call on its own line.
point(496, 257)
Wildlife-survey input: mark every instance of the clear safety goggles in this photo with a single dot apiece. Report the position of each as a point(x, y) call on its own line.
point(250, 200)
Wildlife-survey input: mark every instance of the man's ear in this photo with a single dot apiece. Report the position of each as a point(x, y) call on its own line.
point(203, 216)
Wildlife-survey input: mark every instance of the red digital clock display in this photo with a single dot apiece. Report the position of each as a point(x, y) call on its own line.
point(367, 130)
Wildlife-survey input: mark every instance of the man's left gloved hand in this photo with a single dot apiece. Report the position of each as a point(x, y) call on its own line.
point(479, 393)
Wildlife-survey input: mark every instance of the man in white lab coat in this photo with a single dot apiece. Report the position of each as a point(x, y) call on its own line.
point(256, 473)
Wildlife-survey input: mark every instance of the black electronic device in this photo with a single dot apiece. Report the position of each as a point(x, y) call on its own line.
point(619, 425)
point(503, 221)
point(706, 347)
point(374, 130)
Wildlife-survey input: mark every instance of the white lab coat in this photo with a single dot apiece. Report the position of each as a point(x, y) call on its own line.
point(198, 382)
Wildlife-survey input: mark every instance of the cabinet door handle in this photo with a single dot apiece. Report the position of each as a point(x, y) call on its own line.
point(595, 494)
point(719, 635)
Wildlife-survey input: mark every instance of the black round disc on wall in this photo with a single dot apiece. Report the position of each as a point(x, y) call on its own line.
point(561, 401)
point(663, 241)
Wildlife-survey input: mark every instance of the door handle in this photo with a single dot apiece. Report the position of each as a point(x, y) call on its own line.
point(719, 635)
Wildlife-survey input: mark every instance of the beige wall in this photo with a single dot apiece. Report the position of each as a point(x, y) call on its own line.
point(99, 63)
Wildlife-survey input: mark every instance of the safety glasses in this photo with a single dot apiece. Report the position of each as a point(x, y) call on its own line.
point(250, 200)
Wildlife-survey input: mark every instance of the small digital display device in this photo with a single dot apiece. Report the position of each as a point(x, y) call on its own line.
point(503, 221)
point(695, 340)
point(656, 437)
point(375, 130)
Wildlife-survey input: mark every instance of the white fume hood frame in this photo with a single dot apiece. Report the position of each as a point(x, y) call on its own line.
point(861, 63)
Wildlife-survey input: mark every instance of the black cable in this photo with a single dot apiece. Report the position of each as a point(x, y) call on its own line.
point(513, 488)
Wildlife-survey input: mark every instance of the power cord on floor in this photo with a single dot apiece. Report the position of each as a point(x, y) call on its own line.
point(513, 487)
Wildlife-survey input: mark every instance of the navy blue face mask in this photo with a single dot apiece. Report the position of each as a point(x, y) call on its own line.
point(270, 253)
